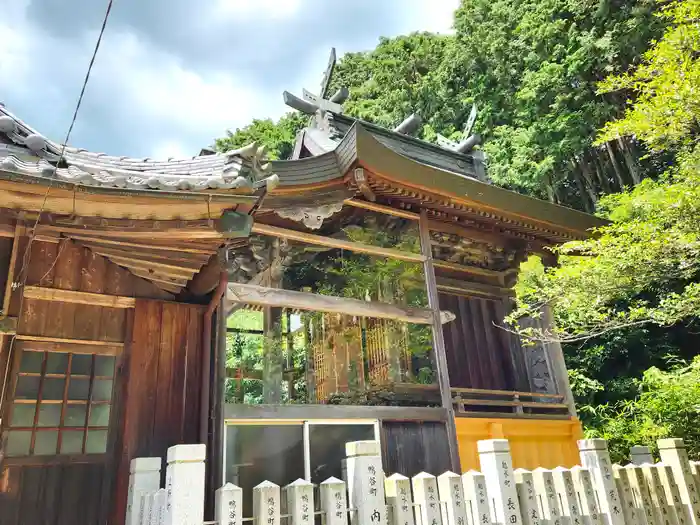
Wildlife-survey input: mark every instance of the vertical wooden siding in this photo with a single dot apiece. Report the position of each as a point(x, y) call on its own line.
point(478, 353)
point(410, 447)
point(40, 490)
point(163, 385)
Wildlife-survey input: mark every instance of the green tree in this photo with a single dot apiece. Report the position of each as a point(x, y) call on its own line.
point(278, 136)
point(628, 298)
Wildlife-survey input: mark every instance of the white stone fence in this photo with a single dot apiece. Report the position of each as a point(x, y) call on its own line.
point(597, 493)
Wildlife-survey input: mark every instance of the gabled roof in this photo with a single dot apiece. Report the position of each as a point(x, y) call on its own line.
point(414, 174)
point(24, 151)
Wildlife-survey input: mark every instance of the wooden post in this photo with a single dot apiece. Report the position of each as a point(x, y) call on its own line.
point(425, 494)
point(266, 504)
point(300, 502)
point(144, 476)
point(595, 456)
point(398, 495)
point(334, 502)
point(365, 483)
point(528, 499)
point(474, 484)
point(439, 351)
point(497, 466)
point(228, 505)
point(184, 483)
point(451, 493)
point(673, 453)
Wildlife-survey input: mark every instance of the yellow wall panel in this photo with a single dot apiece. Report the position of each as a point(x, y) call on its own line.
point(534, 443)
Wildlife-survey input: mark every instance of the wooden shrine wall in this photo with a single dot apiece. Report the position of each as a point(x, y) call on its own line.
point(478, 353)
point(79, 489)
point(409, 447)
point(163, 385)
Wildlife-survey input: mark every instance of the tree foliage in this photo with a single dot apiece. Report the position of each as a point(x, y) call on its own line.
point(278, 136)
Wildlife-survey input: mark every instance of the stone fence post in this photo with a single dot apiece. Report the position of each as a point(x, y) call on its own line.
point(673, 454)
point(497, 467)
point(184, 485)
point(595, 457)
point(144, 477)
point(365, 481)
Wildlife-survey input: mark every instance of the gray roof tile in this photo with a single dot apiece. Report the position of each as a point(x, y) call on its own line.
point(238, 170)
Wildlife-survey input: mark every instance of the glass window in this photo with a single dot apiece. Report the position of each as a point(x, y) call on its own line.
point(327, 447)
point(255, 453)
point(52, 394)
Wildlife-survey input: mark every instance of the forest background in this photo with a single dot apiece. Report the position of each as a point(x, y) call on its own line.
point(590, 104)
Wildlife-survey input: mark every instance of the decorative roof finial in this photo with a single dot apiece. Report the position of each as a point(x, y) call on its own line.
point(410, 125)
point(310, 103)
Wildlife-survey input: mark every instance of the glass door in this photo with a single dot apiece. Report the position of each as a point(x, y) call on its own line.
point(325, 441)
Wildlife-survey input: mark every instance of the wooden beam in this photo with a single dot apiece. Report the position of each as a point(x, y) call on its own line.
point(152, 244)
point(72, 346)
point(18, 230)
point(153, 260)
point(169, 285)
point(277, 298)
point(439, 351)
point(170, 234)
point(70, 296)
point(207, 278)
point(7, 230)
point(381, 208)
point(474, 270)
point(330, 242)
point(169, 270)
point(468, 288)
point(144, 251)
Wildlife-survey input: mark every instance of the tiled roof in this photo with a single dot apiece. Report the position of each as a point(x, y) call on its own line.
point(26, 152)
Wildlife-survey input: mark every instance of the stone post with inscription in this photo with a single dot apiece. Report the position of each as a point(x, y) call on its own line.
point(474, 484)
point(497, 467)
point(583, 485)
point(595, 457)
point(397, 490)
point(529, 504)
point(300, 502)
point(425, 494)
point(630, 510)
point(266, 504)
point(452, 502)
point(334, 502)
point(365, 483)
point(673, 454)
point(228, 505)
point(564, 485)
point(144, 476)
point(184, 484)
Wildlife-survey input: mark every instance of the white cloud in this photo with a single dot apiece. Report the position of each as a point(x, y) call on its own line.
point(267, 9)
point(172, 148)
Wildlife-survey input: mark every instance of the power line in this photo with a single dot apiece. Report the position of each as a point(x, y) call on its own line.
point(27, 251)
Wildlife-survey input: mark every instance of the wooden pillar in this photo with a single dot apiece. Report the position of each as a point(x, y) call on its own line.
point(439, 352)
point(273, 364)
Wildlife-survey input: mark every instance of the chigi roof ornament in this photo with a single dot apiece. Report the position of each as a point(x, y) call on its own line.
point(310, 104)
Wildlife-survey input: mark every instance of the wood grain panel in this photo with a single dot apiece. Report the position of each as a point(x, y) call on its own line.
point(479, 354)
point(413, 447)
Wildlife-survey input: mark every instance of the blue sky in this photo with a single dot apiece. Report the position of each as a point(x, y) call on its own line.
point(172, 75)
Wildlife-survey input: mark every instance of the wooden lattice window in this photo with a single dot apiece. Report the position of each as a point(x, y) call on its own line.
point(61, 404)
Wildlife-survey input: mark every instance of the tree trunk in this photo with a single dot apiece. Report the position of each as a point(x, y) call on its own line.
point(601, 172)
point(632, 165)
point(588, 176)
point(616, 165)
point(587, 204)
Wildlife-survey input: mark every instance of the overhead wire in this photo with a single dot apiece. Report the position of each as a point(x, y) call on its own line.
point(26, 257)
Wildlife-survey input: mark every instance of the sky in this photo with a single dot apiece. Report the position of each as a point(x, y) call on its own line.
point(172, 75)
